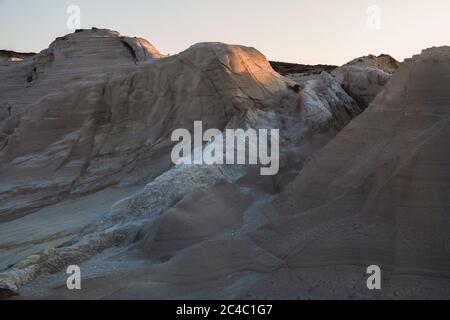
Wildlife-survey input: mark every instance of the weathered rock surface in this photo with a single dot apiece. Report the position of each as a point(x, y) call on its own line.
point(86, 54)
point(112, 128)
point(98, 119)
point(378, 194)
point(363, 78)
point(384, 62)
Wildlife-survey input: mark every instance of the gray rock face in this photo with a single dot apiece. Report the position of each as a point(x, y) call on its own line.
point(101, 108)
point(387, 176)
point(87, 54)
point(377, 194)
point(94, 118)
point(363, 78)
point(111, 126)
point(99, 112)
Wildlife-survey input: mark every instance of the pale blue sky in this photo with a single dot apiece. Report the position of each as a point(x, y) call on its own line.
point(305, 31)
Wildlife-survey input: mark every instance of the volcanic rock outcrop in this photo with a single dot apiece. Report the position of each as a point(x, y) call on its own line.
point(84, 55)
point(94, 123)
point(98, 119)
point(363, 78)
point(377, 194)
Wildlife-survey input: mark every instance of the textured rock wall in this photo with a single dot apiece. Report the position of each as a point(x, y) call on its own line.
point(114, 128)
point(364, 78)
point(102, 128)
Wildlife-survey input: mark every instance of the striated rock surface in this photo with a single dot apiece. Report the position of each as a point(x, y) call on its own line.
point(377, 194)
point(387, 182)
point(86, 54)
point(112, 129)
point(107, 127)
point(86, 176)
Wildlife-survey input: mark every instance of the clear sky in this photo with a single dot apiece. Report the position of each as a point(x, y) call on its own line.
point(304, 31)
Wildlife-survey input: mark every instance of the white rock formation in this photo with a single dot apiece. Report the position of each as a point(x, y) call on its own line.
point(75, 57)
point(111, 125)
point(108, 127)
point(377, 194)
point(363, 78)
